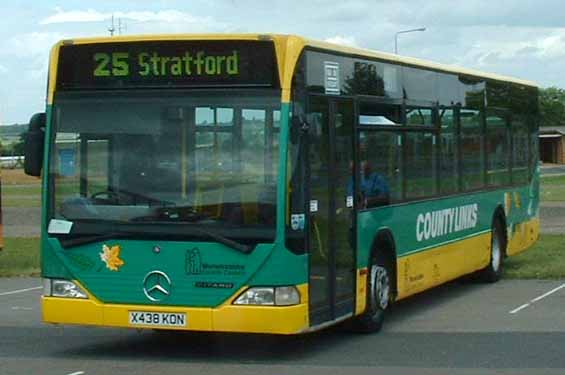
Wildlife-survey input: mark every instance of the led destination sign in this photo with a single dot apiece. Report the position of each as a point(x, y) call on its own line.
point(166, 64)
point(153, 64)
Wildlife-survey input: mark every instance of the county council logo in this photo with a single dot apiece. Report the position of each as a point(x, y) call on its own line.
point(193, 262)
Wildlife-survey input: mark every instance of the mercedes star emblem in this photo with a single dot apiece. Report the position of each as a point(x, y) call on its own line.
point(157, 286)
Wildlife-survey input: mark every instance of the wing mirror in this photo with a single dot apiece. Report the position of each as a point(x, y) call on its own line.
point(33, 146)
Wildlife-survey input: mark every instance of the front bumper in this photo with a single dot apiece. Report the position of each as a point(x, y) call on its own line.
point(225, 318)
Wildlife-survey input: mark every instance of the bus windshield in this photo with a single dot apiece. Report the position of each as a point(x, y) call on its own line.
point(206, 157)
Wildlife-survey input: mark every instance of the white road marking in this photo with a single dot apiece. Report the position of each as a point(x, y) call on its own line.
point(20, 291)
point(21, 308)
point(519, 308)
point(76, 373)
point(522, 307)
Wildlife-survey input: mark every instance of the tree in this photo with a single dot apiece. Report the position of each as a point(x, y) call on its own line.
point(18, 147)
point(552, 106)
point(365, 81)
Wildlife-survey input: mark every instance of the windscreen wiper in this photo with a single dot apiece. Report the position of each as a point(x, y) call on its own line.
point(73, 241)
point(242, 248)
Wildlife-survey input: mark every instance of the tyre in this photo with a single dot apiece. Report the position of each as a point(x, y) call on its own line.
point(379, 297)
point(493, 271)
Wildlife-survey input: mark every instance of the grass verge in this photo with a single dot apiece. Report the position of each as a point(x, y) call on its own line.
point(18, 177)
point(19, 190)
point(552, 188)
point(544, 260)
point(20, 257)
point(20, 201)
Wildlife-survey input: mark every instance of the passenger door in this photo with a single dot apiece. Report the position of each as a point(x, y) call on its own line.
point(331, 209)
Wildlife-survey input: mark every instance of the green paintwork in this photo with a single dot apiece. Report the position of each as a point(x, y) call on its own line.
point(217, 264)
point(401, 219)
point(51, 265)
point(268, 264)
point(281, 183)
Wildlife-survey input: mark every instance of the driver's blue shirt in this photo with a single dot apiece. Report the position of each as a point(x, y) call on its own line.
point(373, 186)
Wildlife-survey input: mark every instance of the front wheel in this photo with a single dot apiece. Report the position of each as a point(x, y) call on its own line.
point(493, 271)
point(379, 297)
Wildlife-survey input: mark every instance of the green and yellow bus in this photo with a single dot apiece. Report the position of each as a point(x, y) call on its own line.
point(270, 183)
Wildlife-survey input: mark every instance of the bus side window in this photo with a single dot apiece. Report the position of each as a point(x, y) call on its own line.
point(520, 149)
point(419, 150)
point(471, 149)
point(380, 177)
point(497, 149)
point(449, 152)
point(380, 154)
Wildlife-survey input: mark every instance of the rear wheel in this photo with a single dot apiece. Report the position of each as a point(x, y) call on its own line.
point(493, 271)
point(379, 297)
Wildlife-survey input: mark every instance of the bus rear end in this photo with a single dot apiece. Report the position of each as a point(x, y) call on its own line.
point(163, 202)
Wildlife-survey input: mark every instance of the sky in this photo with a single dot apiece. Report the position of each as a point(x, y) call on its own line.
point(519, 38)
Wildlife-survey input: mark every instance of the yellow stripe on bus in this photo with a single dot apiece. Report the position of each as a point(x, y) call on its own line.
point(429, 268)
point(523, 236)
point(426, 269)
point(225, 318)
point(361, 295)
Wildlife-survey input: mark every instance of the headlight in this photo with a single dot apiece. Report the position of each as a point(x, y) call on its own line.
point(256, 296)
point(286, 296)
point(62, 288)
point(269, 296)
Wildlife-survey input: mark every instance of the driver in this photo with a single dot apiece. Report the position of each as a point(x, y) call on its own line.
point(373, 187)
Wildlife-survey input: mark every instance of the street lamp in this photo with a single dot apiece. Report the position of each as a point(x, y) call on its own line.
point(404, 32)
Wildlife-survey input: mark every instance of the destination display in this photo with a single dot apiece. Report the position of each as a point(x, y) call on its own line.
point(167, 64)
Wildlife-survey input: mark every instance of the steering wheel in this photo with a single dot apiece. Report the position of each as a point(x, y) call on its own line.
point(112, 197)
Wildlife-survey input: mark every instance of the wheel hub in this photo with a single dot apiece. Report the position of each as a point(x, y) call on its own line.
point(381, 286)
point(495, 257)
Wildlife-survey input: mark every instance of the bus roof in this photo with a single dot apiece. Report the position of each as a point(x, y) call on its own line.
point(297, 44)
point(412, 61)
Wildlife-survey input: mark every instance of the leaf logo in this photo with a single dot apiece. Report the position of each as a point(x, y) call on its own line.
point(111, 256)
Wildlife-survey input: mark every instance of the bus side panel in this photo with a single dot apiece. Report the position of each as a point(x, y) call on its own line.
point(426, 269)
point(524, 236)
point(439, 240)
point(523, 211)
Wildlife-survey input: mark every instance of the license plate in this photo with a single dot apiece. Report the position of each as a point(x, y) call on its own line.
point(157, 319)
